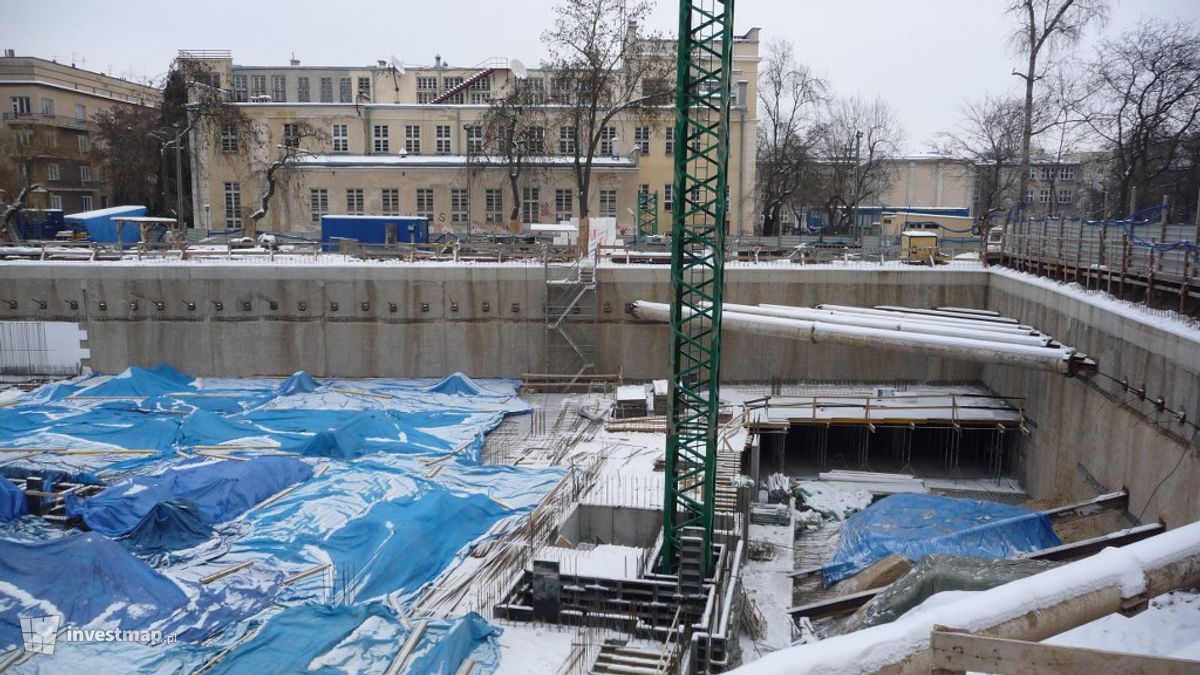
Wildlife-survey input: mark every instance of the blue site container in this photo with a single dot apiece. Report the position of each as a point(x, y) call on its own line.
point(374, 230)
point(101, 227)
point(32, 224)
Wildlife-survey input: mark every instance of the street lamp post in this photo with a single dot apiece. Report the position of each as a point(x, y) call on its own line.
point(857, 154)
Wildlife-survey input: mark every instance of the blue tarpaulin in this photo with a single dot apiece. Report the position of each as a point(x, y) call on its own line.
point(916, 525)
point(167, 527)
point(220, 490)
point(12, 501)
point(80, 577)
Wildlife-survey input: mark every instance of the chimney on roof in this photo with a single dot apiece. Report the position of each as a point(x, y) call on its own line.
point(437, 61)
point(294, 61)
point(9, 53)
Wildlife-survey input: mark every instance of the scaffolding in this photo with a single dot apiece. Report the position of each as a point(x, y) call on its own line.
point(570, 315)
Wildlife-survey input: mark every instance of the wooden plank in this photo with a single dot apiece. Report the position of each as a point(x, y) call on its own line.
point(1081, 549)
point(305, 574)
point(843, 604)
point(1115, 501)
point(401, 658)
point(225, 572)
point(961, 652)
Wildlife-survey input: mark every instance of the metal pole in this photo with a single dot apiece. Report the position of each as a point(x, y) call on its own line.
point(857, 175)
point(178, 178)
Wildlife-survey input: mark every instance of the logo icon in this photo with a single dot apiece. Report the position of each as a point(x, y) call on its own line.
point(39, 633)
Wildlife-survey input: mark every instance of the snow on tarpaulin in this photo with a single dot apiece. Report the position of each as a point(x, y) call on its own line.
point(93, 578)
point(362, 638)
point(135, 382)
point(221, 490)
point(372, 431)
point(916, 525)
point(461, 385)
point(299, 383)
point(12, 501)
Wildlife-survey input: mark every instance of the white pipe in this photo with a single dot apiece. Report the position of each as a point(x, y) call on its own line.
point(947, 313)
point(928, 327)
point(915, 315)
point(1041, 358)
point(1033, 608)
point(943, 321)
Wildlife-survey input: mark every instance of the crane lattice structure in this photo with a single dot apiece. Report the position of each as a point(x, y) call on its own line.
point(703, 74)
point(647, 215)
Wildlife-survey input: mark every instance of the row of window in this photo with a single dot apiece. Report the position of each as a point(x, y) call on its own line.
point(1045, 196)
point(50, 139)
point(53, 174)
point(22, 105)
point(534, 142)
point(254, 88)
point(85, 202)
point(426, 204)
point(1047, 173)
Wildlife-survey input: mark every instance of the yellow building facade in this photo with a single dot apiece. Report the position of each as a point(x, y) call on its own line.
point(404, 140)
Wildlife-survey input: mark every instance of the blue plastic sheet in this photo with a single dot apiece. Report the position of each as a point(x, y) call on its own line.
point(168, 526)
point(12, 501)
point(220, 490)
point(80, 577)
point(916, 525)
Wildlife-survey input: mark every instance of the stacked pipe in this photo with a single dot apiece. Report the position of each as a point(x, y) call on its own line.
point(970, 335)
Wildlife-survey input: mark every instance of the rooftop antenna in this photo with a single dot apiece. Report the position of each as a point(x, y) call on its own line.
point(517, 69)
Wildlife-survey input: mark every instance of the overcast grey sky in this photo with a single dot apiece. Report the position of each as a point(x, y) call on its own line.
point(926, 57)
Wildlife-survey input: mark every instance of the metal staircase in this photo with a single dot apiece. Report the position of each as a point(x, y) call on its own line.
point(570, 318)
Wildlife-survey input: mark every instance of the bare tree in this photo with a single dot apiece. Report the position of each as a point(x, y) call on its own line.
point(512, 134)
point(1041, 25)
point(1146, 104)
point(126, 145)
point(788, 96)
point(296, 142)
point(601, 67)
point(855, 139)
point(20, 147)
point(989, 137)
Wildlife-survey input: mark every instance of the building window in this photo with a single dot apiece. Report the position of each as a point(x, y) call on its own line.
point(480, 97)
point(1033, 173)
point(1044, 196)
point(460, 205)
point(380, 139)
point(608, 203)
point(644, 189)
point(85, 202)
point(85, 145)
point(442, 139)
point(566, 140)
point(354, 201)
point(20, 105)
point(1066, 173)
point(535, 140)
point(493, 206)
point(530, 205)
point(344, 93)
point(233, 205)
point(241, 93)
point(668, 196)
point(426, 89)
point(412, 139)
point(279, 88)
point(390, 197)
point(670, 140)
point(258, 85)
point(85, 173)
point(641, 140)
point(1066, 196)
point(1029, 196)
point(56, 202)
point(51, 138)
point(341, 138)
point(291, 135)
point(564, 204)
point(48, 107)
point(451, 83)
point(536, 88)
point(474, 139)
point(425, 203)
point(51, 172)
point(302, 92)
point(1047, 173)
point(318, 204)
point(326, 90)
point(364, 88)
point(608, 145)
point(229, 138)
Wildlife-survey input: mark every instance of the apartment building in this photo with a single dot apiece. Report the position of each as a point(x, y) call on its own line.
point(48, 119)
point(406, 140)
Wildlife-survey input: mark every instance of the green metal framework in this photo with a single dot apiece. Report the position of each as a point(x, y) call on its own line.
point(647, 215)
point(698, 214)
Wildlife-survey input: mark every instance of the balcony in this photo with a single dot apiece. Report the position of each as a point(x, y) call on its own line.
point(46, 120)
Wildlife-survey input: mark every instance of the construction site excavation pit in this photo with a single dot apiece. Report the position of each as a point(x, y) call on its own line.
point(430, 521)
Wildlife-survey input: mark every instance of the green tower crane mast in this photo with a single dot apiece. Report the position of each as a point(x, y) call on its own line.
point(702, 98)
